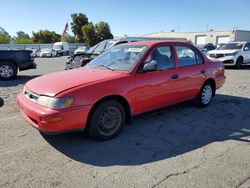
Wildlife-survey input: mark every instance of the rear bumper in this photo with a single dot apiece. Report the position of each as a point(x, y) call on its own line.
point(74, 118)
point(31, 65)
point(220, 81)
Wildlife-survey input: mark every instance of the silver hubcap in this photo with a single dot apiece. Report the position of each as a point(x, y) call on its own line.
point(207, 93)
point(6, 71)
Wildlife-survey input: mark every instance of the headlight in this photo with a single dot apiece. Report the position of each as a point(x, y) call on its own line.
point(56, 103)
point(24, 89)
point(231, 54)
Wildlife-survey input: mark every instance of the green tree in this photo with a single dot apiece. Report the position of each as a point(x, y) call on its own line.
point(22, 35)
point(22, 38)
point(103, 31)
point(89, 34)
point(45, 36)
point(78, 21)
point(5, 38)
point(67, 38)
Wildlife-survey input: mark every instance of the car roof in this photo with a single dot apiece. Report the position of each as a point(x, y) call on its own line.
point(157, 42)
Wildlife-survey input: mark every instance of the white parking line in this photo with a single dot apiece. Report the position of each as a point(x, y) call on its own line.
point(10, 118)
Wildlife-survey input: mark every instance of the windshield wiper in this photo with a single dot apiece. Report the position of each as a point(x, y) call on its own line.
point(105, 66)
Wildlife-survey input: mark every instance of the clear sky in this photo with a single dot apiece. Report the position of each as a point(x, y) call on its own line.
point(127, 17)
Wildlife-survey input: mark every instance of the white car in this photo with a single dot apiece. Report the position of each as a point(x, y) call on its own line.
point(81, 50)
point(232, 54)
point(48, 52)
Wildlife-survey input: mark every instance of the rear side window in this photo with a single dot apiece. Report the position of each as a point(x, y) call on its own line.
point(187, 56)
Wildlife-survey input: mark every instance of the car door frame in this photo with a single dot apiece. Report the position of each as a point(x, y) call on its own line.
point(191, 77)
point(150, 101)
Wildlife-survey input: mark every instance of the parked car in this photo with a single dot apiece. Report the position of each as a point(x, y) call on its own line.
point(81, 50)
point(48, 52)
point(13, 60)
point(208, 47)
point(61, 48)
point(126, 80)
point(35, 52)
point(232, 54)
point(93, 52)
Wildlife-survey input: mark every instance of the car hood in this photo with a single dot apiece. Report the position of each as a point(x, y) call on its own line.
point(52, 84)
point(222, 51)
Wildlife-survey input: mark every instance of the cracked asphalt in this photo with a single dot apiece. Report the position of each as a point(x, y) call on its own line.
point(180, 146)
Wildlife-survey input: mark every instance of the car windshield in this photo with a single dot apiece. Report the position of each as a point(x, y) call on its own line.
point(230, 46)
point(45, 50)
point(92, 48)
point(119, 58)
point(57, 47)
point(82, 48)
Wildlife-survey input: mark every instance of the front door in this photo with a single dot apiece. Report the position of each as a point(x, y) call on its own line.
point(157, 88)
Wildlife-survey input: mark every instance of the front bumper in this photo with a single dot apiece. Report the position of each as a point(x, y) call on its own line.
point(74, 118)
point(226, 60)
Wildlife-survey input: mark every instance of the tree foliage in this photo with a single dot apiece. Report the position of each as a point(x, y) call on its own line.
point(5, 38)
point(45, 36)
point(103, 31)
point(89, 34)
point(22, 38)
point(78, 21)
point(22, 35)
point(67, 38)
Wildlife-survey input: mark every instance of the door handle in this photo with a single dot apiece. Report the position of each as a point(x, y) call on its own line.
point(175, 76)
point(203, 71)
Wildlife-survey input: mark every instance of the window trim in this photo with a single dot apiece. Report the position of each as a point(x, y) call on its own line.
point(193, 49)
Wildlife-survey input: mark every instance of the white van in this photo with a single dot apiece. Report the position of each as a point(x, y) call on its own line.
point(62, 48)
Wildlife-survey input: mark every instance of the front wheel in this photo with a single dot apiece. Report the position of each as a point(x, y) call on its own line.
point(107, 120)
point(8, 70)
point(239, 63)
point(205, 96)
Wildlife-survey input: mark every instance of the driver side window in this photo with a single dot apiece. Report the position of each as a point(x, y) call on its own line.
point(163, 56)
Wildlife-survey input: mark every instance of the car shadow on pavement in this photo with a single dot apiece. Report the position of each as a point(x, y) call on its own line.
point(244, 67)
point(20, 79)
point(162, 134)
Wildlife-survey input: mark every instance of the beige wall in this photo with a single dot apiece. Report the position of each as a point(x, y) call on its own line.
point(211, 36)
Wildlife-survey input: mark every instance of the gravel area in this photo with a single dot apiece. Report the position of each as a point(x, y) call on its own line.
point(180, 146)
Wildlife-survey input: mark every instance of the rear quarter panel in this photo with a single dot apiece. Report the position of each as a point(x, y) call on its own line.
point(215, 70)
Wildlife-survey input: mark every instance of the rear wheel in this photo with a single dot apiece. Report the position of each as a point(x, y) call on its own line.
point(107, 120)
point(8, 70)
point(205, 96)
point(239, 63)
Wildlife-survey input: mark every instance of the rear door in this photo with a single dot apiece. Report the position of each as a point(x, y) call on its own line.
point(190, 70)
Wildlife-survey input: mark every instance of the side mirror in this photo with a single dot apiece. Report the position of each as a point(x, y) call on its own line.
point(152, 66)
point(246, 49)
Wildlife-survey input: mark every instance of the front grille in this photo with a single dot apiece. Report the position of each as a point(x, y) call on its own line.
point(30, 95)
point(217, 55)
point(228, 62)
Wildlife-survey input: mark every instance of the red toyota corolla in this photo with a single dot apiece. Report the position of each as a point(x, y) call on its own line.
point(124, 81)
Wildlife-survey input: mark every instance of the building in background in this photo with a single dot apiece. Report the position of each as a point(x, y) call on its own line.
point(200, 38)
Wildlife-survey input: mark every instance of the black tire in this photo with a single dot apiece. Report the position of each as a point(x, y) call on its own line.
point(239, 62)
point(206, 89)
point(106, 121)
point(8, 70)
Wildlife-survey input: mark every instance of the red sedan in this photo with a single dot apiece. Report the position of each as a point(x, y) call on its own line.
point(124, 81)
